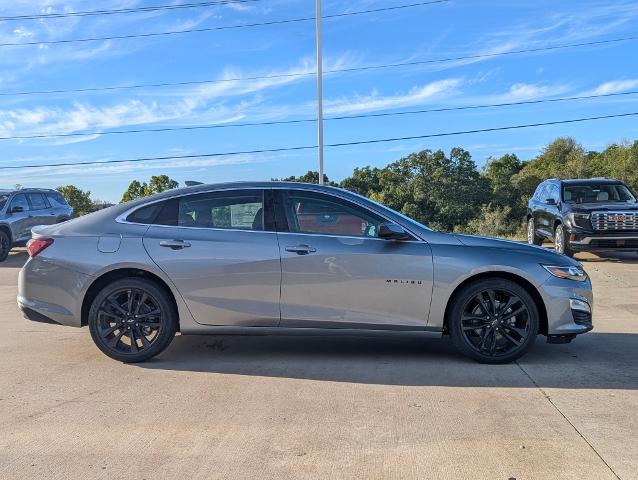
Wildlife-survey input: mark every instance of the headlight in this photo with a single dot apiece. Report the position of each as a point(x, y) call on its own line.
point(571, 273)
point(579, 219)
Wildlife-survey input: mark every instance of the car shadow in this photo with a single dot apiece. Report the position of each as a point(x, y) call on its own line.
point(595, 360)
point(16, 259)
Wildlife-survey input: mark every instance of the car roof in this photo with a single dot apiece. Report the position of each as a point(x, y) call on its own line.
point(25, 190)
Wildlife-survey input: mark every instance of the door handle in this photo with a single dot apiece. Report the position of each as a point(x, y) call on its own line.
point(301, 249)
point(174, 244)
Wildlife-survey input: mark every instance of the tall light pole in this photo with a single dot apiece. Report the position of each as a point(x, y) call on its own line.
point(319, 91)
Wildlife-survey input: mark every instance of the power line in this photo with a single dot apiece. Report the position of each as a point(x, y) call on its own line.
point(152, 8)
point(308, 120)
point(307, 74)
point(308, 147)
point(223, 27)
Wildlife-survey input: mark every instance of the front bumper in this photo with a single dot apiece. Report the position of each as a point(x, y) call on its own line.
point(583, 240)
point(569, 306)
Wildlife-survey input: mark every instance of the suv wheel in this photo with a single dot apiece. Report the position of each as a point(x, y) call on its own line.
point(560, 241)
point(132, 320)
point(5, 245)
point(493, 321)
point(532, 238)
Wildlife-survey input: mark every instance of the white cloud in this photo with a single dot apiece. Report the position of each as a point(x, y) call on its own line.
point(615, 86)
point(374, 102)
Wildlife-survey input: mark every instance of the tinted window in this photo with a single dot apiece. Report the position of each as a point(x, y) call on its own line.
point(37, 201)
point(317, 213)
point(3, 201)
point(597, 193)
point(56, 199)
point(238, 210)
point(19, 200)
point(145, 215)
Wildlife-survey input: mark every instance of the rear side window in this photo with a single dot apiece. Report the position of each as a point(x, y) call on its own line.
point(37, 201)
point(56, 199)
point(145, 215)
point(237, 210)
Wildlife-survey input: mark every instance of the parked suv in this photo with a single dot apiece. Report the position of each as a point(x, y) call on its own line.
point(597, 214)
point(21, 210)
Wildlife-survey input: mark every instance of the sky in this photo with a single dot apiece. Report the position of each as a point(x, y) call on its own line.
point(449, 29)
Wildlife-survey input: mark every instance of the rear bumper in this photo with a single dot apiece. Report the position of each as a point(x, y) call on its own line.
point(51, 294)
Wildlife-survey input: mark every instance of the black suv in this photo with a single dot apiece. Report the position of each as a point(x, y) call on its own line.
point(595, 214)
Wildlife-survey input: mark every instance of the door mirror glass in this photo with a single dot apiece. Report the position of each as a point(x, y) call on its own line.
point(392, 231)
point(550, 201)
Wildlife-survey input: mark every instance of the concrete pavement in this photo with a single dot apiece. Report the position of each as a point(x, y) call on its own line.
point(309, 407)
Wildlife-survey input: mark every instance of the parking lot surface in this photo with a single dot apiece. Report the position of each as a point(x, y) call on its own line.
point(310, 407)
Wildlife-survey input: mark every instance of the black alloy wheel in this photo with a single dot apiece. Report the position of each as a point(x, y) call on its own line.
point(5, 245)
point(494, 321)
point(132, 320)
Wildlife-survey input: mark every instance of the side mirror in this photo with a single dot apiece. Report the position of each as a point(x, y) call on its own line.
point(550, 201)
point(17, 209)
point(392, 231)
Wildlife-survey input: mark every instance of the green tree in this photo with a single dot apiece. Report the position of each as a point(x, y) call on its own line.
point(500, 172)
point(364, 181)
point(308, 177)
point(79, 199)
point(157, 184)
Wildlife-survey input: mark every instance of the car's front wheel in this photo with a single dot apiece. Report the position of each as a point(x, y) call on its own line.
point(560, 241)
point(132, 320)
point(493, 320)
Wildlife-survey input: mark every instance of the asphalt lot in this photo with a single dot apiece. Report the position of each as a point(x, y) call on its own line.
point(308, 407)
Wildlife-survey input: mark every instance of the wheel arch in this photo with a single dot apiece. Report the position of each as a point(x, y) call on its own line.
point(529, 288)
point(118, 274)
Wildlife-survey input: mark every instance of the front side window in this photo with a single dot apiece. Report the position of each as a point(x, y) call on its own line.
point(37, 201)
point(20, 201)
point(597, 193)
point(309, 212)
point(3, 200)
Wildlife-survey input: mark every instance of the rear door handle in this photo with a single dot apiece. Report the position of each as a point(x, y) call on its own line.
point(301, 249)
point(174, 244)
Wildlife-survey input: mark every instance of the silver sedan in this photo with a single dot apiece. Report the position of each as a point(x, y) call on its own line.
point(277, 257)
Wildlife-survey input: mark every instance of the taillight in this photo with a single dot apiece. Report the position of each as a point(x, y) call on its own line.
point(36, 245)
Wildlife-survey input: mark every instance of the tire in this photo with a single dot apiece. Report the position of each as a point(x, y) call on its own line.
point(495, 339)
point(560, 241)
point(5, 245)
point(113, 321)
point(532, 238)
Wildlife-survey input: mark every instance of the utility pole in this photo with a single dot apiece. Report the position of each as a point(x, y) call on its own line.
point(319, 91)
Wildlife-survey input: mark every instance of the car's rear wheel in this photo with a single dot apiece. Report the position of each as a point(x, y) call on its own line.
point(493, 321)
point(532, 238)
point(132, 320)
point(5, 245)
point(560, 241)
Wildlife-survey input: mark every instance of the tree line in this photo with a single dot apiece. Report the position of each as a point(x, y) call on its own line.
point(448, 191)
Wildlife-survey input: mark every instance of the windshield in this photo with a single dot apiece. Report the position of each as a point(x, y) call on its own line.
point(597, 193)
point(3, 200)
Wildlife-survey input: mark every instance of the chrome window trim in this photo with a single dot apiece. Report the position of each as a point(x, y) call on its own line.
point(121, 218)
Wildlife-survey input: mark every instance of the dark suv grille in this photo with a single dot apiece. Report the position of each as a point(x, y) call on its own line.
point(629, 243)
point(615, 221)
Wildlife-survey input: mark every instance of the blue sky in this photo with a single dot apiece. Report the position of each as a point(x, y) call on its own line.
point(456, 28)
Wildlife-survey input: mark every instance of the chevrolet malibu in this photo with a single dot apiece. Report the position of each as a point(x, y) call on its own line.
point(277, 257)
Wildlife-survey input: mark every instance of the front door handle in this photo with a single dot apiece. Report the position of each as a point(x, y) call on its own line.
point(301, 249)
point(174, 244)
